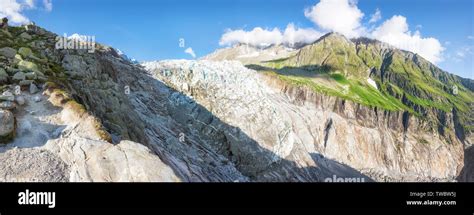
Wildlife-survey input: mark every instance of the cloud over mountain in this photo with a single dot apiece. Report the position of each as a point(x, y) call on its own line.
point(395, 31)
point(342, 16)
point(260, 37)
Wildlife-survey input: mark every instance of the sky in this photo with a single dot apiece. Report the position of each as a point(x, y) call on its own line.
point(439, 30)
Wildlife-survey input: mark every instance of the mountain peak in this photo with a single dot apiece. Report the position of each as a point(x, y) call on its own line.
point(332, 36)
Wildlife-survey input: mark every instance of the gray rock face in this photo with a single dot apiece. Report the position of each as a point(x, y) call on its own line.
point(138, 108)
point(97, 161)
point(467, 174)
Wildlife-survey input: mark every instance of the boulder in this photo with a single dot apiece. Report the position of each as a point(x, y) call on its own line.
point(30, 75)
point(7, 105)
point(33, 88)
point(12, 71)
point(25, 52)
point(25, 83)
point(8, 52)
point(7, 126)
point(3, 76)
point(37, 98)
point(27, 65)
point(18, 57)
point(7, 96)
point(39, 74)
point(19, 76)
point(20, 100)
point(25, 36)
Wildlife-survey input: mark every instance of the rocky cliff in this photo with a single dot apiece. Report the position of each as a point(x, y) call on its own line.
point(46, 133)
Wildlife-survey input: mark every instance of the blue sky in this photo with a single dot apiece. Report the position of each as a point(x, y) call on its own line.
point(150, 30)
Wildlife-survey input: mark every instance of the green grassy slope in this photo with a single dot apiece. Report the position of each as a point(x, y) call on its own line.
point(405, 81)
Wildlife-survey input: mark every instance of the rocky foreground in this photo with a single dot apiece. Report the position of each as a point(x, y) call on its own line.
point(47, 136)
point(71, 115)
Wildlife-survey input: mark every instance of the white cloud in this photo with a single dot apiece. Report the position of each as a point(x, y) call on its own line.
point(48, 5)
point(341, 16)
point(460, 54)
point(470, 37)
point(30, 3)
point(294, 36)
point(395, 32)
point(376, 16)
point(190, 51)
point(463, 52)
point(13, 9)
point(260, 37)
point(256, 37)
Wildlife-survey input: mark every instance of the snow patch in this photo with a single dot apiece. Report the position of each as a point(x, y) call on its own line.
point(372, 82)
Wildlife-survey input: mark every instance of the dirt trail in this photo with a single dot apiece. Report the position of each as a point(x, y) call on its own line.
point(37, 121)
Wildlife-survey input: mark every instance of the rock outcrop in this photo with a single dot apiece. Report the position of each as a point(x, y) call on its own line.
point(54, 145)
point(7, 126)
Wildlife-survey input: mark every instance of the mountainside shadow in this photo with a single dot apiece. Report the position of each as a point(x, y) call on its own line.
point(467, 172)
point(308, 71)
point(246, 154)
